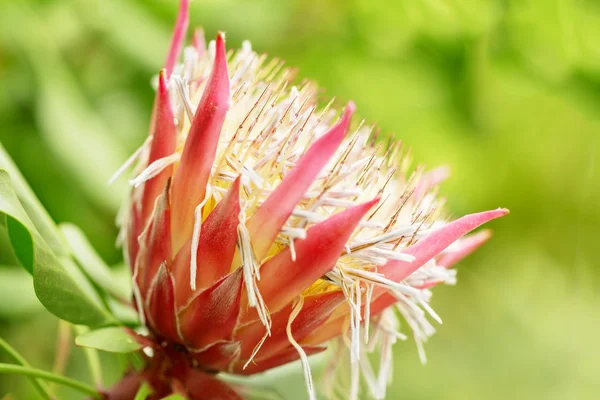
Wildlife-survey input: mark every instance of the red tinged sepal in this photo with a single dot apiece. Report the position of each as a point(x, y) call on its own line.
point(155, 243)
point(216, 247)
point(282, 279)
point(212, 314)
point(164, 137)
point(160, 305)
point(463, 248)
point(286, 356)
point(191, 178)
point(265, 224)
point(315, 311)
point(178, 36)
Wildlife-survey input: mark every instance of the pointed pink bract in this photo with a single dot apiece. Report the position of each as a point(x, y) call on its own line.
point(266, 223)
point(218, 356)
point(218, 238)
point(315, 311)
point(164, 137)
point(160, 306)
point(199, 42)
point(156, 242)
point(178, 36)
point(189, 185)
point(466, 246)
point(216, 247)
point(283, 279)
point(427, 248)
point(431, 179)
point(211, 315)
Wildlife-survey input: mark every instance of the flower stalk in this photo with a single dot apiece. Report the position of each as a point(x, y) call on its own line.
point(49, 376)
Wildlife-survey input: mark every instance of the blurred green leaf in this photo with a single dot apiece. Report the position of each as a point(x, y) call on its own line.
point(17, 297)
point(114, 340)
point(174, 397)
point(123, 312)
point(78, 137)
point(19, 359)
point(22, 234)
point(68, 122)
point(34, 209)
point(92, 358)
point(284, 382)
point(130, 28)
point(58, 284)
point(93, 265)
point(143, 392)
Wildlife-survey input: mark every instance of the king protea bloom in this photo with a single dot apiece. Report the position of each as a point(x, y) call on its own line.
point(262, 226)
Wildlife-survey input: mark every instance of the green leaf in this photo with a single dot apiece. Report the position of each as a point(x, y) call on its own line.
point(93, 265)
point(59, 284)
point(21, 241)
point(114, 340)
point(15, 216)
point(65, 291)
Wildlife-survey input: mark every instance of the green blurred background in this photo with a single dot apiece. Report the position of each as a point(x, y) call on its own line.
point(507, 93)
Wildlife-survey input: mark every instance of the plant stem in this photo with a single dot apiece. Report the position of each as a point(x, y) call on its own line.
point(14, 354)
point(38, 373)
point(91, 355)
point(63, 348)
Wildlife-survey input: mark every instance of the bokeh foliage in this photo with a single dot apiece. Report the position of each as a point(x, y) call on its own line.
point(506, 92)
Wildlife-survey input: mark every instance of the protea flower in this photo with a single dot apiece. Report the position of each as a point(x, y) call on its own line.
point(262, 226)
